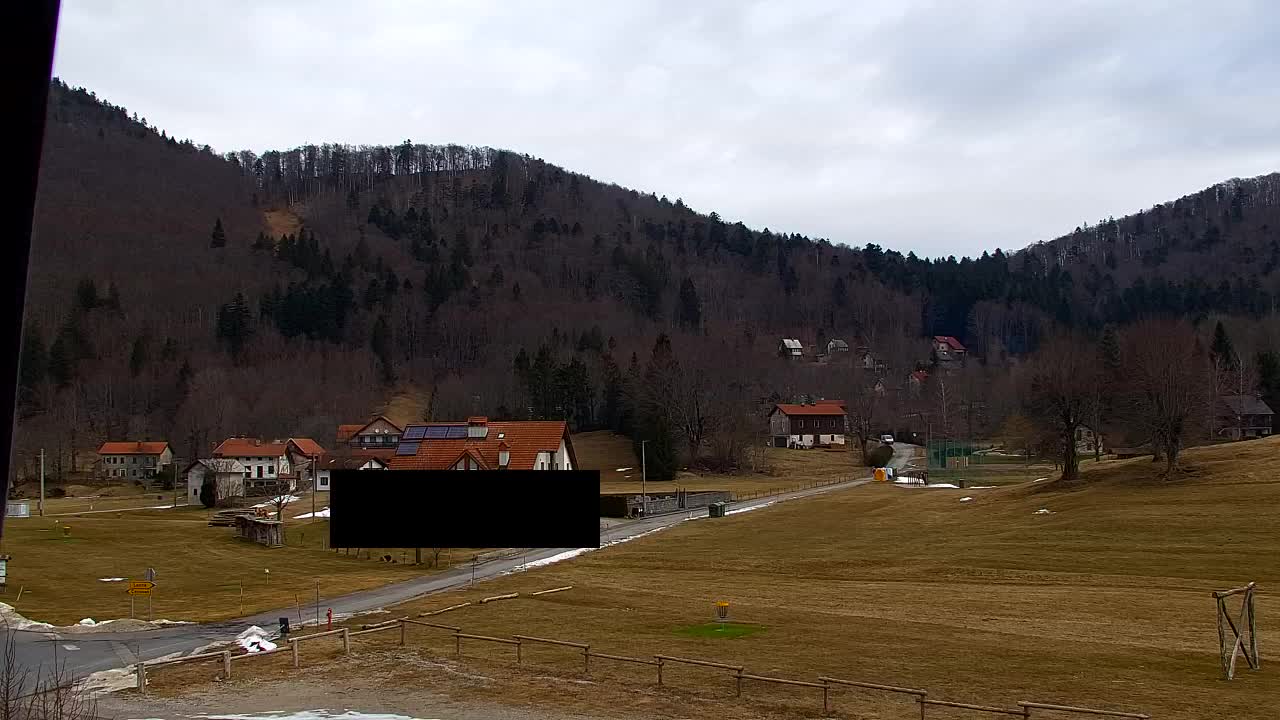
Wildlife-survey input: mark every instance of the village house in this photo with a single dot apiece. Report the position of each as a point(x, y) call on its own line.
point(948, 352)
point(481, 444)
point(378, 434)
point(837, 346)
point(869, 362)
point(1243, 416)
point(1088, 440)
point(791, 348)
point(135, 460)
point(266, 464)
point(916, 381)
point(806, 425)
point(345, 462)
point(227, 475)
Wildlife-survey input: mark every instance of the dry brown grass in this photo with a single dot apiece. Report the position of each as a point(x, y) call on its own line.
point(281, 222)
point(1105, 602)
point(785, 469)
point(200, 568)
point(407, 405)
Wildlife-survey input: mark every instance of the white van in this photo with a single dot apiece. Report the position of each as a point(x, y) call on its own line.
point(887, 439)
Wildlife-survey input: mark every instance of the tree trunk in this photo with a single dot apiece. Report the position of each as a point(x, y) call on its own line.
point(417, 556)
point(1070, 461)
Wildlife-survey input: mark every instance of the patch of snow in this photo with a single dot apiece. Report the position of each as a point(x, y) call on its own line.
point(87, 621)
point(311, 715)
point(162, 507)
point(13, 620)
point(749, 509)
point(1042, 511)
point(254, 639)
point(1039, 479)
point(320, 514)
point(623, 469)
point(70, 647)
point(110, 579)
point(983, 487)
point(965, 499)
point(286, 499)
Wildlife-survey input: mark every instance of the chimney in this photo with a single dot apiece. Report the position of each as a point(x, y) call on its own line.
point(504, 455)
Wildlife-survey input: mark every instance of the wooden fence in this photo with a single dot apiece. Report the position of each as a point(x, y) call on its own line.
point(824, 683)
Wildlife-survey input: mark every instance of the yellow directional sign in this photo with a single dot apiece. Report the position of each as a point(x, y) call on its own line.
point(140, 587)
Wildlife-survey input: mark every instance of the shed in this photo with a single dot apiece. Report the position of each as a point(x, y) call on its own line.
point(260, 530)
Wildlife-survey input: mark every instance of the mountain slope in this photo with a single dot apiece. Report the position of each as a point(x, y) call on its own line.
point(498, 283)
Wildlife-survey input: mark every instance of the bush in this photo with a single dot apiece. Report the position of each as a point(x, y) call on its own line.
point(880, 456)
point(57, 492)
point(208, 493)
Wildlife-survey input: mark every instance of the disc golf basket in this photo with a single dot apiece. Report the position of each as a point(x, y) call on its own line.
point(1243, 636)
point(722, 612)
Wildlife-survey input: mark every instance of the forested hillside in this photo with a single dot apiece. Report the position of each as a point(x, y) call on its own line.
point(183, 295)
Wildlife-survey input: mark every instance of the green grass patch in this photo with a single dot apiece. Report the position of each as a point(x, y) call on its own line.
point(719, 630)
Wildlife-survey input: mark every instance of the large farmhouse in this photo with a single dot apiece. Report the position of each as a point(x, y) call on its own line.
point(481, 444)
point(808, 425)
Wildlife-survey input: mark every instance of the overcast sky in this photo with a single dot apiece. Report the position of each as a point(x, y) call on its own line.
point(940, 127)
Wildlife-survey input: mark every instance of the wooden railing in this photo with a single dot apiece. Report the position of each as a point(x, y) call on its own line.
point(824, 683)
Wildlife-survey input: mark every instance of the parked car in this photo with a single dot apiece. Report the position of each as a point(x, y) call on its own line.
point(887, 439)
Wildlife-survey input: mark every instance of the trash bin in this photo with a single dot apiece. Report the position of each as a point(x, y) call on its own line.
point(284, 626)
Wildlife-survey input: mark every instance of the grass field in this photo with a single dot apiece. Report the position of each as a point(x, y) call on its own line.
point(1103, 601)
point(785, 469)
point(199, 568)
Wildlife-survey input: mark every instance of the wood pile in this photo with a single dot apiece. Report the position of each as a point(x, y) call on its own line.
point(227, 518)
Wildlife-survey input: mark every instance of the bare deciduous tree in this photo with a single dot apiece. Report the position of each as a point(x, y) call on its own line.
point(862, 405)
point(1060, 394)
point(1166, 388)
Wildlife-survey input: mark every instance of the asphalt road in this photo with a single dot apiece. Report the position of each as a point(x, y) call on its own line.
point(94, 652)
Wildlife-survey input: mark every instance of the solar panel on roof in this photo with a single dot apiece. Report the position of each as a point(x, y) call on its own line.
point(416, 432)
point(407, 448)
point(457, 433)
point(437, 432)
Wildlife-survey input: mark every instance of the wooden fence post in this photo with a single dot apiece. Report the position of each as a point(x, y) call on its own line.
point(739, 682)
point(517, 652)
point(403, 625)
point(346, 641)
point(457, 650)
point(826, 704)
point(296, 658)
point(226, 665)
point(586, 660)
point(659, 671)
point(142, 678)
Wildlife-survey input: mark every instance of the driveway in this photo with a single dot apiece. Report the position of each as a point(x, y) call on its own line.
point(104, 651)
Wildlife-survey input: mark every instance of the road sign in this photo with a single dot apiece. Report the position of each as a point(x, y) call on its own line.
point(140, 587)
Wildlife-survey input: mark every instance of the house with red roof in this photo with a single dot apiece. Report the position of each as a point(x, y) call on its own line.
point(379, 434)
point(266, 464)
point(948, 352)
point(805, 425)
point(131, 460)
point(483, 444)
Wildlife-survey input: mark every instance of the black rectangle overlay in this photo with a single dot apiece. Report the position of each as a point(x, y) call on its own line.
point(464, 508)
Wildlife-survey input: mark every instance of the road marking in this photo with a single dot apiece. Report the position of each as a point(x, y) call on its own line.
point(124, 653)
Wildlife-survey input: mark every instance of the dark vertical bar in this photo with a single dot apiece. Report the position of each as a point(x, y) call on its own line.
point(37, 21)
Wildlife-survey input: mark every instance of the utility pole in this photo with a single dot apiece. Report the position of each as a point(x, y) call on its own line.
point(41, 482)
point(313, 488)
point(644, 476)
